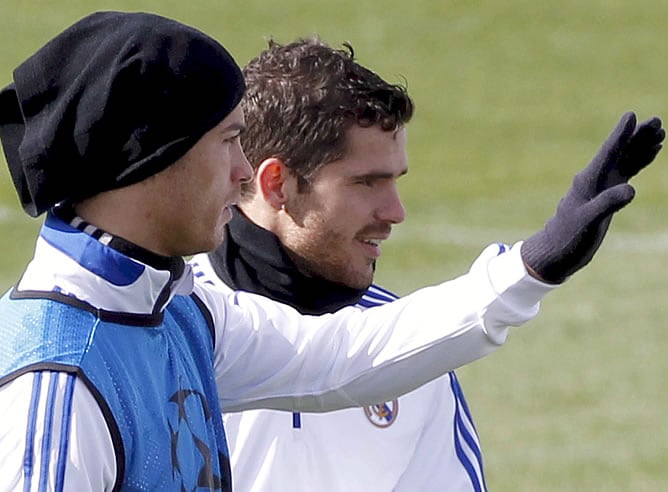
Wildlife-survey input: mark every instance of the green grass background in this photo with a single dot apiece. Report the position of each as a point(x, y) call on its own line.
point(512, 99)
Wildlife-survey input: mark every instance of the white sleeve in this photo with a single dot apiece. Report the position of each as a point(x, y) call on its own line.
point(267, 355)
point(56, 433)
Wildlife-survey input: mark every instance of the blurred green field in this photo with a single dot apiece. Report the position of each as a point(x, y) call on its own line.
point(512, 99)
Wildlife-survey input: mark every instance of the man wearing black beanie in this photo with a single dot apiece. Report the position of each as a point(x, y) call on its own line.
point(116, 363)
point(109, 103)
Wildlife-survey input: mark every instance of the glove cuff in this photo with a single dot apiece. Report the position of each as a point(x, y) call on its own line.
point(539, 255)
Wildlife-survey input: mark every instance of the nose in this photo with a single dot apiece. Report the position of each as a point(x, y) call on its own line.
point(243, 171)
point(392, 209)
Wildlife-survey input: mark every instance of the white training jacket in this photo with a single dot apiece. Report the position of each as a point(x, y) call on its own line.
point(267, 355)
point(422, 441)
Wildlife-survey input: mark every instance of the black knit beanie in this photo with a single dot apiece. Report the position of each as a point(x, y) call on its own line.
point(112, 100)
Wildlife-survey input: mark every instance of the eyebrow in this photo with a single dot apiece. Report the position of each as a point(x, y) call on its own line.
point(232, 127)
point(379, 175)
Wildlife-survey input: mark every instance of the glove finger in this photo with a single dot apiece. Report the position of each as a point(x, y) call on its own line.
point(633, 165)
point(648, 126)
point(653, 122)
point(607, 203)
point(647, 135)
point(645, 158)
point(620, 135)
point(611, 150)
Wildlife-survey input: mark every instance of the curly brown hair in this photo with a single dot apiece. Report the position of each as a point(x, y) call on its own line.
point(303, 96)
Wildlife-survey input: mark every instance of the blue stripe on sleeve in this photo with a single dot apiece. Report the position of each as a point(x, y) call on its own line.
point(466, 463)
point(28, 457)
point(462, 401)
point(65, 432)
point(460, 397)
point(460, 428)
point(48, 429)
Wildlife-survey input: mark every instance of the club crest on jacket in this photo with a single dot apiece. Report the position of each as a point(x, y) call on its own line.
point(382, 414)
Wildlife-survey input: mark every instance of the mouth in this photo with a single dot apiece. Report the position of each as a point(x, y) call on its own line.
point(371, 246)
point(371, 238)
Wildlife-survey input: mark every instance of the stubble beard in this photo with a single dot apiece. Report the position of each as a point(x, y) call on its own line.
point(337, 268)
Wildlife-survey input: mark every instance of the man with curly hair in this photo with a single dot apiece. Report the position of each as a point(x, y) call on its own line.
point(327, 140)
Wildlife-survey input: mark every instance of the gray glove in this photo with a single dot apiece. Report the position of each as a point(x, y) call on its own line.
point(571, 237)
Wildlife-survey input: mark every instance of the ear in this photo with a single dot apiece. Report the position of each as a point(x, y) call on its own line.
point(270, 179)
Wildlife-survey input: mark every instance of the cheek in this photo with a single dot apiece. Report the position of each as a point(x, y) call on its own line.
point(336, 205)
point(351, 213)
point(215, 183)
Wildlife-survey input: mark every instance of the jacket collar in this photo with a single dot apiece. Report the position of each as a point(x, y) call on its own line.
point(78, 260)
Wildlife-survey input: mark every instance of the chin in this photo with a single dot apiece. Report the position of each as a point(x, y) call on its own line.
point(361, 280)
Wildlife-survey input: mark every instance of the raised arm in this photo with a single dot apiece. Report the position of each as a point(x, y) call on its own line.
point(268, 356)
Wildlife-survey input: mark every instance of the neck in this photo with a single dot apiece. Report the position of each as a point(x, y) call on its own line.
point(119, 243)
point(122, 213)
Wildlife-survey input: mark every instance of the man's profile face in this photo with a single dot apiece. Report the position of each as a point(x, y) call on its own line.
point(199, 189)
point(349, 208)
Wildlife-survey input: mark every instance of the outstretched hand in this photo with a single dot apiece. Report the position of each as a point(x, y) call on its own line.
point(572, 236)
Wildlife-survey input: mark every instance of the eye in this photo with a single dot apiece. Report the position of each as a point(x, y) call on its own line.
point(366, 181)
point(232, 139)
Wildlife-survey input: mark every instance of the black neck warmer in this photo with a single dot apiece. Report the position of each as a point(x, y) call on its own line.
point(253, 259)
